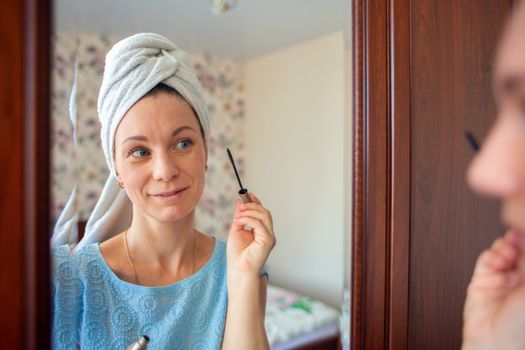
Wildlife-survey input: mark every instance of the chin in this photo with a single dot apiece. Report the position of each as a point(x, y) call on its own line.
point(173, 214)
point(514, 218)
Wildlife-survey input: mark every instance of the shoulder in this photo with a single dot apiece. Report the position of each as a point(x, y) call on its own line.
point(63, 266)
point(86, 259)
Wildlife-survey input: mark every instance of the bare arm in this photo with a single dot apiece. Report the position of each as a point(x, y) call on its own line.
point(245, 317)
point(247, 251)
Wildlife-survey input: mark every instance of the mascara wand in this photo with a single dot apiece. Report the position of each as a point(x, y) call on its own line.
point(472, 140)
point(243, 192)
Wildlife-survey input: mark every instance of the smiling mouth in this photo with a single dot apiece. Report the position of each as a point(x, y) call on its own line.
point(170, 194)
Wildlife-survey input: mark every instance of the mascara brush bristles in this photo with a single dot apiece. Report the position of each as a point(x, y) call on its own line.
point(234, 168)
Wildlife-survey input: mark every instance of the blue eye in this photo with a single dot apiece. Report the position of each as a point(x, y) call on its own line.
point(139, 153)
point(184, 144)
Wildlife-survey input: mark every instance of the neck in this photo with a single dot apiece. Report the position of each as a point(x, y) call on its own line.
point(168, 245)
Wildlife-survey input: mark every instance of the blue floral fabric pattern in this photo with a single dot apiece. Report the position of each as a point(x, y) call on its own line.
point(94, 309)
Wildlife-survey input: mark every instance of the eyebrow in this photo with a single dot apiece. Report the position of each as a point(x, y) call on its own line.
point(144, 138)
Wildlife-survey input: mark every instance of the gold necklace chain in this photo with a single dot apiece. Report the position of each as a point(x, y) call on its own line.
point(135, 276)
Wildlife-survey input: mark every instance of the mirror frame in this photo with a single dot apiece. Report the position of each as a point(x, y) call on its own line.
point(37, 24)
point(381, 175)
point(369, 100)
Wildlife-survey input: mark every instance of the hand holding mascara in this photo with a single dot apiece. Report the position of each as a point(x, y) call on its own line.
point(243, 192)
point(248, 252)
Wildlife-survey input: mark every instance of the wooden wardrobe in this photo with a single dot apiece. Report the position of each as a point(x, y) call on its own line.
point(422, 76)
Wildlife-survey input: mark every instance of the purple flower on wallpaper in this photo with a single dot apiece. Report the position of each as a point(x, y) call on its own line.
point(208, 82)
point(62, 139)
point(91, 122)
point(98, 58)
point(197, 67)
point(61, 168)
point(61, 65)
point(91, 195)
point(212, 143)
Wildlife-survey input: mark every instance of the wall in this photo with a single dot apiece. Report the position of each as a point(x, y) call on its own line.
point(297, 168)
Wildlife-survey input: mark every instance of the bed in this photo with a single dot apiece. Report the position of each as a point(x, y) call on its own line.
point(294, 321)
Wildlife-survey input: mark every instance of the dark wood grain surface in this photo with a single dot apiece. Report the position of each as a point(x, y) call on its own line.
point(37, 84)
point(24, 188)
point(11, 184)
point(452, 47)
point(422, 75)
point(370, 183)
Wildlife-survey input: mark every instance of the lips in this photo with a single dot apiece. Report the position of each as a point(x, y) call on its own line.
point(170, 193)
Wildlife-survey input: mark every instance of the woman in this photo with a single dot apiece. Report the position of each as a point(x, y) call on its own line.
point(494, 314)
point(142, 267)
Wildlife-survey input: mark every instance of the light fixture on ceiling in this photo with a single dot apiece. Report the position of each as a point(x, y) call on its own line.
point(222, 6)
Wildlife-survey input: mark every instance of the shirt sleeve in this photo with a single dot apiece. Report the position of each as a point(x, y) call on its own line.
point(264, 272)
point(66, 296)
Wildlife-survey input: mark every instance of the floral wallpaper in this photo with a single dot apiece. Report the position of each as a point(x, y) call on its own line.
point(85, 165)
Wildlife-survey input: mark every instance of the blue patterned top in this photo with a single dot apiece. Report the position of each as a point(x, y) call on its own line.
point(95, 309)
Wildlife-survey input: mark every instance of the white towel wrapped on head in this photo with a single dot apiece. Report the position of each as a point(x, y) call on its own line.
point(133, 67)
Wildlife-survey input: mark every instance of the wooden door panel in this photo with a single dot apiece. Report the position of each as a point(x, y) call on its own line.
point(451, 53)
point(422, 75)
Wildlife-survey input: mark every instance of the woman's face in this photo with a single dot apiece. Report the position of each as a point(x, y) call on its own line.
point(499, 168)
point(160, 157)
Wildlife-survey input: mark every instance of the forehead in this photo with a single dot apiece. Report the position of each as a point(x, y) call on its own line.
point(158, 115)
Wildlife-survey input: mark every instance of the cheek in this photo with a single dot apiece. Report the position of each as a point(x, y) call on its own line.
point(134, 177)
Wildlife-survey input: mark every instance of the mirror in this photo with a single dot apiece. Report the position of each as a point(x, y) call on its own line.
point(275, 82)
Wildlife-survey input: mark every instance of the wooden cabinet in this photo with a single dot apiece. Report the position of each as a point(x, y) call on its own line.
point(422, 75)
point(24, 189)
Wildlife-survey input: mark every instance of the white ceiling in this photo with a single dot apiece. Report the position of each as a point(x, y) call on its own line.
point(253, 28)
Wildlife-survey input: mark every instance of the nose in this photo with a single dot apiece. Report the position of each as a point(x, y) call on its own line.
point(494, 170)
point(164, 166)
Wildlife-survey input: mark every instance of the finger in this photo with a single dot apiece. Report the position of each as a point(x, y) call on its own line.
point(252, 206)
point(490, 262)
point(505, 250)
point(239, 206)
point(260, 213)
point(497, 281)
point(260, 231)
point(512, 237)
point(255, 206)
point(255, 199)
point(264, 216)
point(517, 238)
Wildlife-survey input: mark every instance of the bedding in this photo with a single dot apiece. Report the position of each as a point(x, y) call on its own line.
point(293, 320)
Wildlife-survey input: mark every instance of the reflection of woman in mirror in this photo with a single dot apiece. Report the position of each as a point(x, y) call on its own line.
point(142, 267)
point(494, 314)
